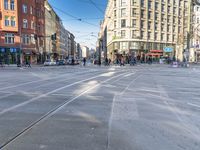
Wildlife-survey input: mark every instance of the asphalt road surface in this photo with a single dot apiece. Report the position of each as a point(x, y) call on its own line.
point(146, 107)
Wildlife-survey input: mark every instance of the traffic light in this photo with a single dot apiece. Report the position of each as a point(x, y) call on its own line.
point(53, 37)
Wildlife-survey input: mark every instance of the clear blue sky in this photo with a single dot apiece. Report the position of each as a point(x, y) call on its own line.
point(84, 10)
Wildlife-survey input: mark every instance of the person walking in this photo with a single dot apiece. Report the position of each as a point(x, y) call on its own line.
point(109, 61)
point(84, 61)
point(28, 63)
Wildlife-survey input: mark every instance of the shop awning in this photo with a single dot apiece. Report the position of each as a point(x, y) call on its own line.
point(154, 54)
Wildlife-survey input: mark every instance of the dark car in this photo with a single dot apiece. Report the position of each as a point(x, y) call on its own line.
point(61, 62)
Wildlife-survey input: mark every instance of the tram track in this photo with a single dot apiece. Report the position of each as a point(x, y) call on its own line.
point(57, 108)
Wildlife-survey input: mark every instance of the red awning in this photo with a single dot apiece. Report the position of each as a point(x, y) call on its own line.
point(154, 54)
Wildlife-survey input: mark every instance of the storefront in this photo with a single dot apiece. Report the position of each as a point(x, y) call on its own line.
point(10, 55)
point(155, 55)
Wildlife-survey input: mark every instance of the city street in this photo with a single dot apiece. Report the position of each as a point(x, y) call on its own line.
point(143, 107)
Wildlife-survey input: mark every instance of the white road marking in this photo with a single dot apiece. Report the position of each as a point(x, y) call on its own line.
point(51, 92)
point(6, 96)
point(195, 105)
point(26, 83)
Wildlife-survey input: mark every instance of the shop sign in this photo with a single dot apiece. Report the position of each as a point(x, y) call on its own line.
point(13, 50)
point(168, 49)
point(3, 50)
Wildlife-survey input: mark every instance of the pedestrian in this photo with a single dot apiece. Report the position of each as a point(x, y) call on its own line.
point(84, 61)
point(106, 62)
point(72, 61)
point(122, 62)
point(109, 61)
point(28, 63)
point(1, 62)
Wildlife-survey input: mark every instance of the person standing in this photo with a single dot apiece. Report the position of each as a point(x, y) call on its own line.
point(106, 62)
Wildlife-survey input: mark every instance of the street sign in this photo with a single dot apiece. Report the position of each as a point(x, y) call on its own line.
point(168, 49)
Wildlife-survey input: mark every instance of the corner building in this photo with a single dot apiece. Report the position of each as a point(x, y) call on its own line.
point(9, 37)
point(145, 27)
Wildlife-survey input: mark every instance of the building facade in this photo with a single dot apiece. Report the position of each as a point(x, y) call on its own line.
point(144, 28)
point(195, 48)
point(85, 51)
point(50, 29)
point(9, 32)
point(31, 30)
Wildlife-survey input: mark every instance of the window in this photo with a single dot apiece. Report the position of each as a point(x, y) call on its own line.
point(124, 45)
point(115, 13)
point(142, 14)
point(123, 2)
point(115, 24)
point(156, 36)
point(25, 23)
point(13, 21)
point(133, 2)
point(123, 12)
point(134, 34)
point(6, 4)
point(134, 23)
point(142, 24)
point(25, 39)
point(123, 34)
point(31, 10)
point(32, 39)
point(142, 34)
point(123, 23)
point(150, 5)
point(7, 23)
point(162, 37)
point(142, 3)
point(156, 26)
point(134, 12)
point(32, 25)
point(12, 5)
point(156, 6)
point(24, 8)
point(149, 35)
point(9, 38)
point(115, 3)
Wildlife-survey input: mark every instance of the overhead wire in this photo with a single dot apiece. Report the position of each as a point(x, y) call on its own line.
point(76, 18)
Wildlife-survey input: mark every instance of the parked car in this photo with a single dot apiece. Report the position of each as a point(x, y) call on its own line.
point(61, 62)
point(49, 62)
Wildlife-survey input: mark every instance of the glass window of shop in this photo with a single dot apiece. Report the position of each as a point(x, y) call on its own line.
point(134, 45)
point(123, 45)
point(9, 55)
point(115, 45)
